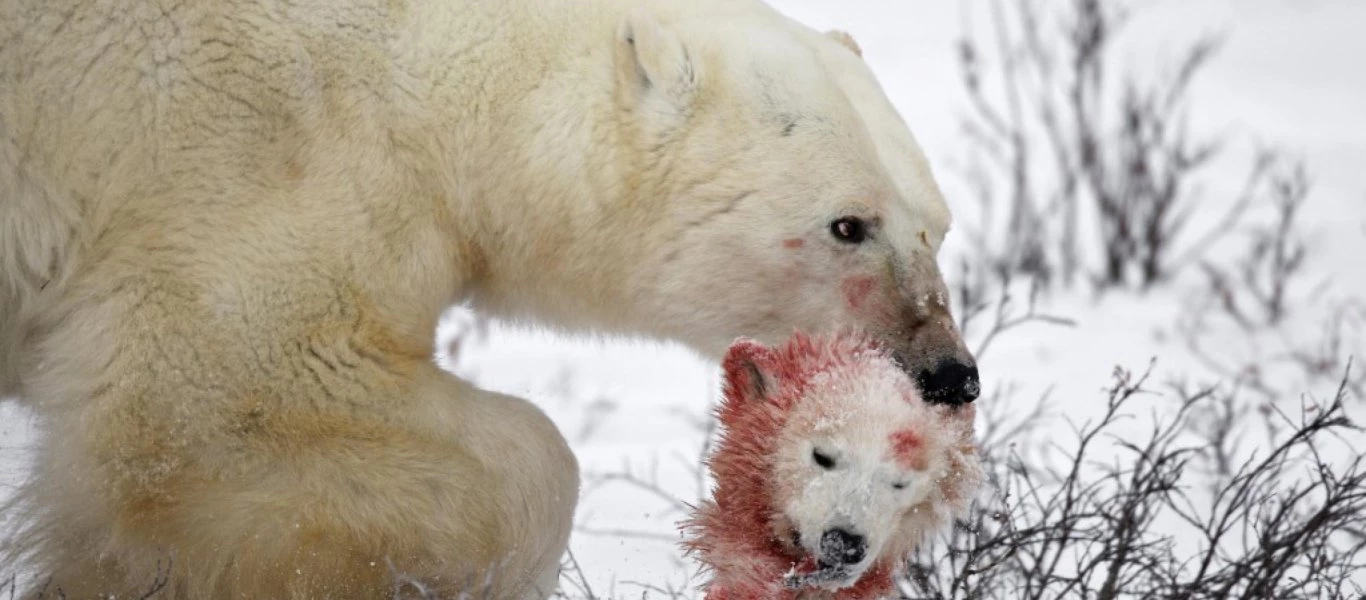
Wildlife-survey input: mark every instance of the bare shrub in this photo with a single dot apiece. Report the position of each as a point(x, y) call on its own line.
point(1166, 515)
point(977, 295)
point(1063, 146)
point(1275, 256)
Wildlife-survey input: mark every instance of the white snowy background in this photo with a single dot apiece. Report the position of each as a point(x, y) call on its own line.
point(1291, 73)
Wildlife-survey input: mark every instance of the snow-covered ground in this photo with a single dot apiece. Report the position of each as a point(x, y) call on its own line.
point(636, 412)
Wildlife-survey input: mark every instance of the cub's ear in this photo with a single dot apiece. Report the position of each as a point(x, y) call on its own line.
point(846, 40)
point(748, 373)
point(652, 62)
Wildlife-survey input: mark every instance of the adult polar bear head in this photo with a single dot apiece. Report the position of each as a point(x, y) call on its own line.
point(765, 183)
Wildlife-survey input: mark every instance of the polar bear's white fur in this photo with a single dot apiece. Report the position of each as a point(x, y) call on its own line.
point(228, 229)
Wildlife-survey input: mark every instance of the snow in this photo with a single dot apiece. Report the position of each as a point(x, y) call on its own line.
point(1288, 74)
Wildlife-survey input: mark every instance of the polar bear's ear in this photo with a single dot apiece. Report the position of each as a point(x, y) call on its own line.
point(747, 371)
point(652, 60)
point(846, 40)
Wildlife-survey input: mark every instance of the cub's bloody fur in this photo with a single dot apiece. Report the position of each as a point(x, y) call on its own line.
point(739, 534)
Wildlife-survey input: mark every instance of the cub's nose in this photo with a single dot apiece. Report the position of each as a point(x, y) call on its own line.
point(839, 546)
point(951, 382)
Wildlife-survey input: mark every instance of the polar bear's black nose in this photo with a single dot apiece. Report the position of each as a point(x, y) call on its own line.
point(838, 546)
point(951, 382)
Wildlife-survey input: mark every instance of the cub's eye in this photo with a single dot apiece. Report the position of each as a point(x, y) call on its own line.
point(850, 230)
point(898, 486)
point(825, 461)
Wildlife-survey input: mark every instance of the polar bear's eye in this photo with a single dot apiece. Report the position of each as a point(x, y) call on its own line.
point(898, 486)
point(850, 230)
point(822, 459)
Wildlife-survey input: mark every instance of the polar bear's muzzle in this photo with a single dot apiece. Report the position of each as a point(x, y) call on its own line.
point(942, 367)
point(950, 382)
point(928, 345)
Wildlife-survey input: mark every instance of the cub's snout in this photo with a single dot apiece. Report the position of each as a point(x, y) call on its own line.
point(841, 547)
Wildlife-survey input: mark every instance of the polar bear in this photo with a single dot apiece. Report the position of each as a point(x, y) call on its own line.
point(829, 470)
point(228, 230)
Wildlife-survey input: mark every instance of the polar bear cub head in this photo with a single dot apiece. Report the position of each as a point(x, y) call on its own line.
point(829, 463)
point(794, 196)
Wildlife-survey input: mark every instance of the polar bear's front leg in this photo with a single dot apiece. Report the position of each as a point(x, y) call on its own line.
point(529, 477)
point(325, 458)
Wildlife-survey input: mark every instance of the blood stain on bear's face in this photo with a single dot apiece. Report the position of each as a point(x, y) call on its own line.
point(856, 290)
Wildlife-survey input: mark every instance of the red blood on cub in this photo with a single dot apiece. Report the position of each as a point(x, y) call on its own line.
point(761, 387)
point(740, 535)
point(909, 450)
point(735, 533)
point(794, 243)
point(754, 410)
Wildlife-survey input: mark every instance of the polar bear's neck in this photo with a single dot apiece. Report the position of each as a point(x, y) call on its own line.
point(549, 178)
